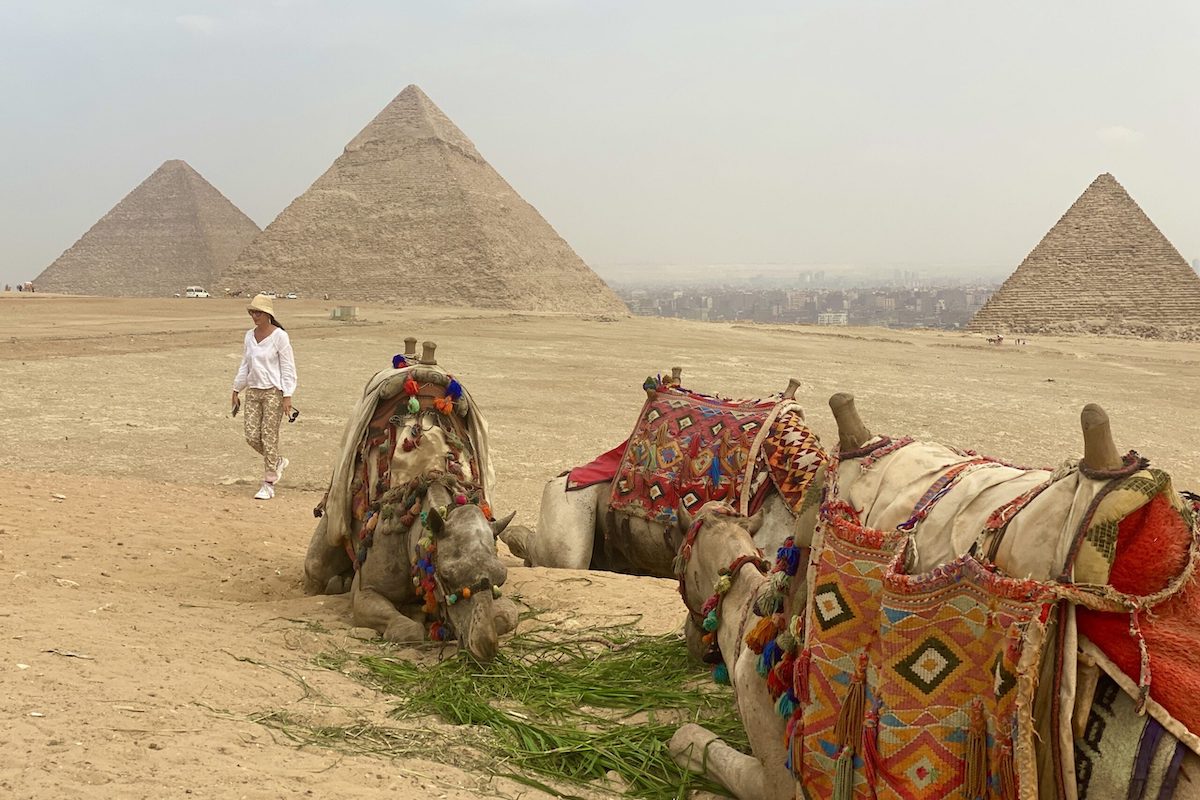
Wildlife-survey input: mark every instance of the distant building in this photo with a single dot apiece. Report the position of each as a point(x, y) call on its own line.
point(833, 318)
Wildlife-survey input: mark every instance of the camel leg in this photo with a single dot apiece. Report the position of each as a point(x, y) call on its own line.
point(373, 610)
point(325, 564)
point(699, 750)
point(566, 527)
point(506, 614)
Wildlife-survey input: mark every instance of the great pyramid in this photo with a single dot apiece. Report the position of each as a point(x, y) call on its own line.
point(411, 213)
point(1104, 268)
point(174, 230)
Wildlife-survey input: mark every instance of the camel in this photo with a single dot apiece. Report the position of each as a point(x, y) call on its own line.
point(714, 563)
point(580, 529)
point(930, 521)
point(405, 526)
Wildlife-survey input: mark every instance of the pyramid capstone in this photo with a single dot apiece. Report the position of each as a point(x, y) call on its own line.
point(410, 212)
point(172, 231)
point(1103, 268)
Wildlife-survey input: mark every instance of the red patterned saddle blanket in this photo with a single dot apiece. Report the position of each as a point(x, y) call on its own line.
point(689, 448)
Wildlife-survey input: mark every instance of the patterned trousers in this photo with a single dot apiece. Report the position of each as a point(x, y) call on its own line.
point(263, 410)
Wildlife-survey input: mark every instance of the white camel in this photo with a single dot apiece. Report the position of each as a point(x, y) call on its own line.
point(941, 499)
point(578, 529)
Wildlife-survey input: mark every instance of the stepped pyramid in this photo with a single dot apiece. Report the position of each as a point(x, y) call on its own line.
point(174, 230)
point(411, 213)
point(1104, 268)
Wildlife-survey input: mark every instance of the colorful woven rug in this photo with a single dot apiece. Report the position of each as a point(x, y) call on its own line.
point(601, 469)
point(1121, 754)
point(689, 448)
point(1145, 533)
point(914, 681)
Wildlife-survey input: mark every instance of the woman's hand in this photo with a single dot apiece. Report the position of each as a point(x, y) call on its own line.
point(235, 403)
point(287, 407)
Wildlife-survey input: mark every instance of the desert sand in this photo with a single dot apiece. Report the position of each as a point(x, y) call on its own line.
point(152, 609)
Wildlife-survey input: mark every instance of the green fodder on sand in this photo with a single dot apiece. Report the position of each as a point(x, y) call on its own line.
point(572, 711)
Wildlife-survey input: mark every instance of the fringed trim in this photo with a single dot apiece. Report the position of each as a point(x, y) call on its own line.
point(1135, 630)
point(1006, 773)
point(975, 764)
point(800, 676)
point(843, 775)
point(870, 746)
point(848, 730)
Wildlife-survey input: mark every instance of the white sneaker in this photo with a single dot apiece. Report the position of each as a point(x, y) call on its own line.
point(283, 464)
point(265, 492)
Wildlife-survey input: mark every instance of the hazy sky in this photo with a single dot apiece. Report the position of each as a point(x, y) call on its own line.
point(891, 133)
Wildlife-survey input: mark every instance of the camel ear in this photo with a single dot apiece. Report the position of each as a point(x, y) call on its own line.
point(437, 523)
point(754, 522)
point(499, 525)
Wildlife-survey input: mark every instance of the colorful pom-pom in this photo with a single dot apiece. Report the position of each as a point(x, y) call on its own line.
point(414, 405)
point(454, 389)
point(496, 592)
point(452, 599)
point(411, 387)
point(720, 674)
point(399, 361)
point(460, 499)
point(724, 583)
point(710, 622)
point(466, 593)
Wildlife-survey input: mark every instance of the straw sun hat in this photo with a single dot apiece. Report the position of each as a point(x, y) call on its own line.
point(262, 302)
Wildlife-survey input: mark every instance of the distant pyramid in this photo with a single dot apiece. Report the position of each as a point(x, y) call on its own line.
point(174, 230)
point(411, 213)
point(1104, 268)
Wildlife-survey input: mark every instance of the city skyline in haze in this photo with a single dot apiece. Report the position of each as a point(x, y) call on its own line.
point(936, 137)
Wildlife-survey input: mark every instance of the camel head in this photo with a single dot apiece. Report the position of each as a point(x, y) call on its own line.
point(721, 537)
point(470, 573)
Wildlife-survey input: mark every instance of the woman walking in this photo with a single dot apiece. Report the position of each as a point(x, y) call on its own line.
point(268, 377)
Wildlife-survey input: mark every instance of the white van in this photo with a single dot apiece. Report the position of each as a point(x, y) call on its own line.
point(196, 291)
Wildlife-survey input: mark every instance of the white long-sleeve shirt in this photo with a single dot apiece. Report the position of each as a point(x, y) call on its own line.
point(268, 364)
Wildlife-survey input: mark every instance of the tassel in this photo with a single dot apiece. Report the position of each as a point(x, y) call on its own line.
point(399, 361)
point(870, 746)
point(795, 759)
point(720, 674)
point(789, 557)
point(454, 389)
point(843, 775)
point(976, 762)
point(410, 387)
point(724, 583)
point(800, 676)
point(779, 679)
point(710, 621)
point(414, 405)
point(786, 705)
point(1006, 772)
point(850, 718)
point(760, 634)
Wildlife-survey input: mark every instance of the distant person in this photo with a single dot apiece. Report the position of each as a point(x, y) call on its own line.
point(268, 377)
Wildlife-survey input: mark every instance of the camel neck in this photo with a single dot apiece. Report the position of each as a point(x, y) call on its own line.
point(736, 608)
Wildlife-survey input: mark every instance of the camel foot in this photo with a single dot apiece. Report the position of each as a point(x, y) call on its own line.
point(339, 584)
point(698, 750)
point(403, 629)
point(506, 616)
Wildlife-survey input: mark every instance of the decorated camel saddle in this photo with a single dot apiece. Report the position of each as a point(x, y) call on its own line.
point(406, 525)
point(979, 629)
point(972, 628)
point(620, 512)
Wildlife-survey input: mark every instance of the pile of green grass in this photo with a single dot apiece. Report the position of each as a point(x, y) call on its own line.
point(570, 711)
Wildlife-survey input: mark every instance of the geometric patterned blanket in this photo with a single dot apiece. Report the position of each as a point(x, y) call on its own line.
point(689, 448)
point(918, 686)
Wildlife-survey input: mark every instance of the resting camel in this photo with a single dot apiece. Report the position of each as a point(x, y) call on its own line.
point(580, 528)
point(405, 525)
point(1062, 659)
